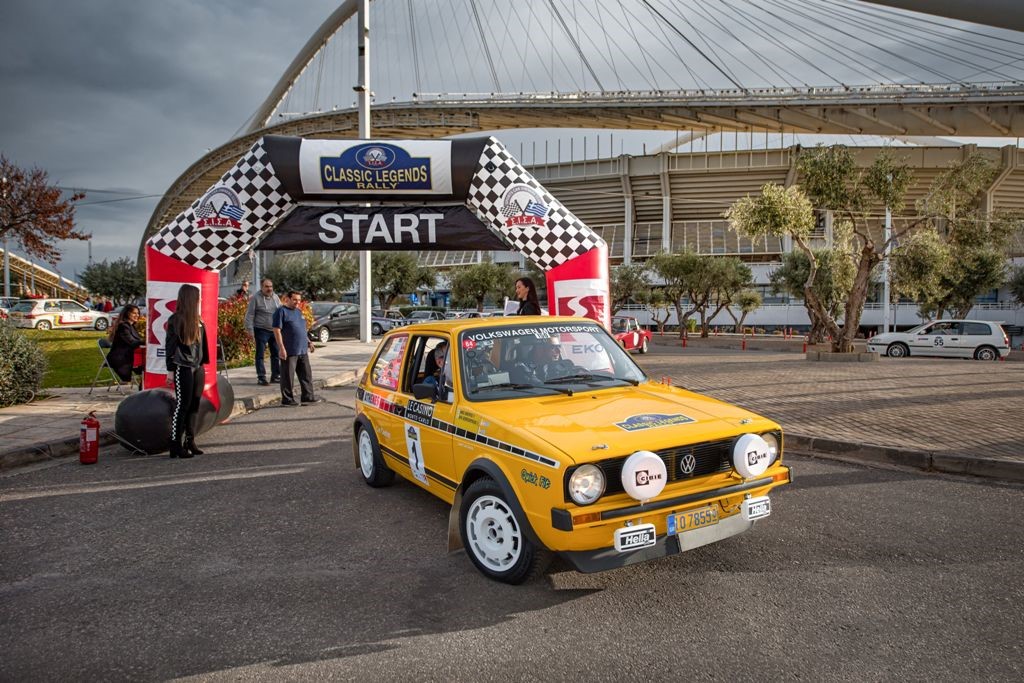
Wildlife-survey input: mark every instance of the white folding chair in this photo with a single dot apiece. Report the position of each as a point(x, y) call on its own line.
point(104, 348)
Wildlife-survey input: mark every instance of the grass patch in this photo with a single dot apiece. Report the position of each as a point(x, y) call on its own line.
point(72, 356)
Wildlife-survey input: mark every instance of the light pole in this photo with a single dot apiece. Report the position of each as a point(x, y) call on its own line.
point(364, 133)
point(885, 263)
point(7, 256)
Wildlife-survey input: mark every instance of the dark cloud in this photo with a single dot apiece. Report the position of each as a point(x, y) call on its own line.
point(126, 94)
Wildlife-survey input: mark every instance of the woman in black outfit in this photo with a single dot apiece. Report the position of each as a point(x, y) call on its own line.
point(124, 339)
point(527, 295)
point(186, 354)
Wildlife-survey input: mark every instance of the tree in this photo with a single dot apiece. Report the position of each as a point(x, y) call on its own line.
point(657, 305)
point(678, 272)
point(831, 181)
point(398, 273)
point(35, 213)
point(626, 283)
point(481, 281)
point(121, 281)
point(313, 275)
point(963, 252)
point(728, 276)
point(831, 283)
point(748, 301)
point(1016, 284)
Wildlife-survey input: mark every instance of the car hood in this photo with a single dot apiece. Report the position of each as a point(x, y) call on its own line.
point(596, 425)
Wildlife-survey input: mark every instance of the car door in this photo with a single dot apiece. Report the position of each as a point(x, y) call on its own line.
point(934, 340)
point(381, 399)
point(73, 314)
point(428, 426)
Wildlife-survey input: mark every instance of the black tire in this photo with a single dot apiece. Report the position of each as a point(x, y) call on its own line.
point(643, 346)
point(44, 325)
point(986, 353)
point(897, 350)
point(102, 324)
point(371, 462)
point(494, 536)
point(376, 329)
point(323, 335)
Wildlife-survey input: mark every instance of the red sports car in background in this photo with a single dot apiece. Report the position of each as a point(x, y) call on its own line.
point(629, 334)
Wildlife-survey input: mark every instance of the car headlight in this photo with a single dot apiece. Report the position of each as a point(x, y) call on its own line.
point(586, 484)
point(773, 445)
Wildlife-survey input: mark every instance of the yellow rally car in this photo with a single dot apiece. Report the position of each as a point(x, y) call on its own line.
point(545, 436)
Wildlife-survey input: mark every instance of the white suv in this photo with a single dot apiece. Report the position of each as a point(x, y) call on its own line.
point(47, 314)
point(978, 339)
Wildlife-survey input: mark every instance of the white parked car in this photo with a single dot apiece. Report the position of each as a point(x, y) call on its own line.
point(978, 339)
point(47, 314)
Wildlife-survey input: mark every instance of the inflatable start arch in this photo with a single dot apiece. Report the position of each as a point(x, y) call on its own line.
point(294, 193)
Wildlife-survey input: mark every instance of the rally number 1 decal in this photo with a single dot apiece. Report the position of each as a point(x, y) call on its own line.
point(415, 449)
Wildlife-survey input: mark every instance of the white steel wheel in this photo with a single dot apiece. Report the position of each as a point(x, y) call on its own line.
point(493, 536)
point(643, 346)
point(44, 325)
point(371, 464)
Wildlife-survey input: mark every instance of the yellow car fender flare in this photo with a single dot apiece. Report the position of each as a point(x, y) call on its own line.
point(482, 467)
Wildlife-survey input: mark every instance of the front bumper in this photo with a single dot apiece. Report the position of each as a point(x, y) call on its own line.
point(589, 561)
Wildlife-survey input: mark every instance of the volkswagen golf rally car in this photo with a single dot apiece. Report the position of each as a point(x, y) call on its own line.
point(546, 437)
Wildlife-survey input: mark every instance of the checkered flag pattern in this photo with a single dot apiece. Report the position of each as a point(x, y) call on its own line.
point(561, 237)
point(262, 202)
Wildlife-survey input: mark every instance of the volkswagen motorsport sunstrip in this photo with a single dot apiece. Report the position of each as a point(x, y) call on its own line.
point(546, 437)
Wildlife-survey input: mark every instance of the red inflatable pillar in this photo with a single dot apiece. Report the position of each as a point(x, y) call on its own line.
point(164, 276)
point(580, 287)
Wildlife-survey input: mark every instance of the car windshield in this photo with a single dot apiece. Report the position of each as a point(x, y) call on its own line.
point(321, 308)
point(513, 361)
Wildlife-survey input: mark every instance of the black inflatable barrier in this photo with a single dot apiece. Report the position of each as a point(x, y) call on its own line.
point(144, 418)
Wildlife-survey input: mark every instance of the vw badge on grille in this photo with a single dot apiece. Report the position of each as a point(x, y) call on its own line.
point(688, 464)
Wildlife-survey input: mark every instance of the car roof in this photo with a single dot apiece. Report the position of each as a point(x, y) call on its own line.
point(460, 324)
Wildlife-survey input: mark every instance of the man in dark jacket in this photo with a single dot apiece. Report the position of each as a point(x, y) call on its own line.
point(259, 322)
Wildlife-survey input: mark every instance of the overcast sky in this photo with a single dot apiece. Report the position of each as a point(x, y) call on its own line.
point(119, 97)
point(123, 95)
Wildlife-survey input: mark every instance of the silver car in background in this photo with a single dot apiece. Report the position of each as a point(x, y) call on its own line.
point(978, 339)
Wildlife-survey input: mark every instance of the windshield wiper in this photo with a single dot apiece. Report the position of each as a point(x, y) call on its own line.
point(589, 377)
point(513, 385)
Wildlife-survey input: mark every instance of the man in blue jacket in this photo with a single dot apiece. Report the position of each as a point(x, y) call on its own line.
point(294, 344)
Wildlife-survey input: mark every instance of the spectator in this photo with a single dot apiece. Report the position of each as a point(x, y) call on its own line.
point(526, 293)
point(259, 321)
point(293, 340)
point(108, 305)
point(186, 352)
point(124, 339)
point(243, 291)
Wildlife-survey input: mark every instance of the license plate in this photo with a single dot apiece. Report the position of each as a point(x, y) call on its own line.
point(756, 508)
point(634, 537)
point(692, 519)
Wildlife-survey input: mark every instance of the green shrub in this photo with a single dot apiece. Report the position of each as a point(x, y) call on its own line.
point(22, 364)
point(234, 338)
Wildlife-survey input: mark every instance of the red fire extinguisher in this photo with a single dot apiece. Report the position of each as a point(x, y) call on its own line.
point(89, 440)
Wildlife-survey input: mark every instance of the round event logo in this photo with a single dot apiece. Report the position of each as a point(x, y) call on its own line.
point(374, 157)
point(219, 209)
point(522, 205)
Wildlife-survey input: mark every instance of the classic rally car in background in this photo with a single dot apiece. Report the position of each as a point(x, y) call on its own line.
point(47, 314)
point(546, 437)
point(629, 334)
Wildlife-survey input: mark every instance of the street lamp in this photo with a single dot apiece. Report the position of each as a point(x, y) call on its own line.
point(7, 256)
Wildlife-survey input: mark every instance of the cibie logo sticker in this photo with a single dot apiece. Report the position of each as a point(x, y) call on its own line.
point(522, 205)
point(219, 209)
point(635, 423)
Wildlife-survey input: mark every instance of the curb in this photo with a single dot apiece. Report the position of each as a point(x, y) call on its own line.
point(63, 447)
point(946, 463)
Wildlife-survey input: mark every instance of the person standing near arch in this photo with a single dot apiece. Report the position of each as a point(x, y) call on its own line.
point(259, 321)
point(526, 293)
point(186, 352)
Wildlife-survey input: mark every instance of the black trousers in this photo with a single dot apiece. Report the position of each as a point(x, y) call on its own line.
point(296, 365)
point(188, 389)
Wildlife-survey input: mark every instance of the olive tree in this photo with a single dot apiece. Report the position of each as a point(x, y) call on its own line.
point(313, 274)
point(481, 281)
point(1016, 284)
point(747, 301)
point(397, 273)
point(831, 181)
point(627, 282)
point(832, 281)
